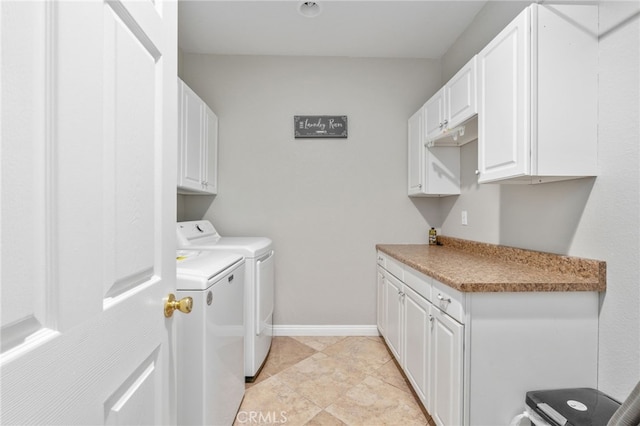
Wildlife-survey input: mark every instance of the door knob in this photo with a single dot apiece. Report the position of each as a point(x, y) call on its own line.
point(171, 304)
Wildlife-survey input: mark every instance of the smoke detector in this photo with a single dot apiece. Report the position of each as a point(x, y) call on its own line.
point(309, 9)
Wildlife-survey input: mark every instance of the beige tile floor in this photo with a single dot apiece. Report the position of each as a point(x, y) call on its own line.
point(349, 381)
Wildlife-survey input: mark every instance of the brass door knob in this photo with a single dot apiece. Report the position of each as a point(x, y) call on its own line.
point(171, 304)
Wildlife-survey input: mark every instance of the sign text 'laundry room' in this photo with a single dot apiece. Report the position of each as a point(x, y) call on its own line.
point(320, 126)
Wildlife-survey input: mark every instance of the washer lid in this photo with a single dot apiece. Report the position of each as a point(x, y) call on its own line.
point(201, 235)
point(203, 267)
point(245, 246)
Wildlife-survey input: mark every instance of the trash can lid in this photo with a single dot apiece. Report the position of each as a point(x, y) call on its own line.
point(573, 407)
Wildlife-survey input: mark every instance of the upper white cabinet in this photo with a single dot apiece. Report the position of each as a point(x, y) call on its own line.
point(198, 144)
point(460, 95)
point(537, 90)
point(433, 171)
point(451, 106)
point(434, 118)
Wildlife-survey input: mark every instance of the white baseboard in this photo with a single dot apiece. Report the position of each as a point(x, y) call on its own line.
point(325, 330)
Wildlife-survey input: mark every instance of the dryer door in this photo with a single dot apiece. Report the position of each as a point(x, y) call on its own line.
point(264, 293)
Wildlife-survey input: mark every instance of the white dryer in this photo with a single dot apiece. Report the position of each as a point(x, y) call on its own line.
point(210, 339)
point(259, 284)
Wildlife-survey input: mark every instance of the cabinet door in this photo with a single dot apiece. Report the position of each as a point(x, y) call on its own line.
point(460, 95)
point(393, 327)
point(417, 337)
point(191, 136)
point(432, 171)
point(210, 154)
point(434, 114)
point(381, 301)
point(446, 369)
point(504, 81)
point(416, 153)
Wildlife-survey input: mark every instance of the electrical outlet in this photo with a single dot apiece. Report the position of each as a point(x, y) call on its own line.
point(464, 217)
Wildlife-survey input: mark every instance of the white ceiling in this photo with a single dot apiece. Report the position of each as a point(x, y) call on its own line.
point(388, 29)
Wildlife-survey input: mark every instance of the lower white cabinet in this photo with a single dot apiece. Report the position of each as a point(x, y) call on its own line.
point(395, 315)
point(426, 341)
point(380, 289)
point(417, 343)
point(471, 357)
point(446, 373)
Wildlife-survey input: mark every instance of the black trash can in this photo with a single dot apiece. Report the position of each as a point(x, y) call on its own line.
point(572, 407)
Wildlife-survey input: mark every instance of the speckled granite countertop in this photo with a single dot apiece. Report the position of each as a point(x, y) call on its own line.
point(471, 266)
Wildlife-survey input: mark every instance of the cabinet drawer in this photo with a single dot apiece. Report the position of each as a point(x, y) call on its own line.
point(448, 300)
point(391, 265)
point(419, 282)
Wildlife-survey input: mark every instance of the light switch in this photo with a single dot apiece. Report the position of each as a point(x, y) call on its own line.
point(464, 217)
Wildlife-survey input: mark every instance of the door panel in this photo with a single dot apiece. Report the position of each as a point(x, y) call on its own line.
point(88, 211)
point(192, 137)
point(210, 157)
point(393, 326)
point(130, 94)
point(460, 95)
point(503, 107)
point(416, 152)
point(446, 374)
point(417, 343)
point(434, 114)
point(381, 316)
point(25, 244)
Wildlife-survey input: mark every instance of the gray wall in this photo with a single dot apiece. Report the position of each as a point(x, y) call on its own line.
point(595, 218)
point(325, 203)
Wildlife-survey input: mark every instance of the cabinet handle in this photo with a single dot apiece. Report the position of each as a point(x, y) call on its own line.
point(441, 126)
point(419, 185)
point(431, 320)
point(444, 299)
point(477, 172)
point(446, 122)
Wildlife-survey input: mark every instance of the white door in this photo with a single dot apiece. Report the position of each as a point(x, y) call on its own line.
point(381, 307)
point(416, 153)
point(393, 327)
point(434, 115)
point(191, 138)
point(460, 95)
point(417, 343)
point(87, 211)
point(210, 154)
point(504, 97)
point(446, 369)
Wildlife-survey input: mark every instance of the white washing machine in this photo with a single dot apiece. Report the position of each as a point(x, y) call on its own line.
point(210, 339)
point(259, 284)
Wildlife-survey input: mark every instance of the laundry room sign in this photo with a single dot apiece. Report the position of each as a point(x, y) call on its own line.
point(320, 126)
